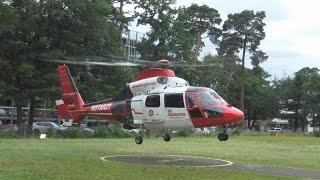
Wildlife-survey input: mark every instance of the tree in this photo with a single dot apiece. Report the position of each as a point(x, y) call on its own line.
point(242, 31)
point(181, 40)
point(119, 15)
point(175, 32)
point(257, 58)
point(300, 94)
point(84, 30)
point(202, 20)
point(308, 78)
point(17, 40)
point(261, 101)
point(160, 16)
point(80, 28)
point(313, 98)
point(96, 83)
point(222, 75)
point(46, 29)
point(315, 121)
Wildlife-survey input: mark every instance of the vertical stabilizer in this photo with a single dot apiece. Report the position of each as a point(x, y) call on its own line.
point(71, 103)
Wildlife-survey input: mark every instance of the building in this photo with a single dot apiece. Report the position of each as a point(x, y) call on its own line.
point(130, 40)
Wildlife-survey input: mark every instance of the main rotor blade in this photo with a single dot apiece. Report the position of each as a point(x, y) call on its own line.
point(195, 65)
point(105, 61)
point(115, 64)
point(96, 63)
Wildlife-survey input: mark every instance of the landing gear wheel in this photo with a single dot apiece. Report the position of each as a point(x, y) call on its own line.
point(166, 137)
point(223, 136)
point(220, 136)
point(226, 137)
point(139, 140)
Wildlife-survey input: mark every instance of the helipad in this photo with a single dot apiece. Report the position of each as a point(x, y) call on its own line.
point(191, 161)
point(169, 160)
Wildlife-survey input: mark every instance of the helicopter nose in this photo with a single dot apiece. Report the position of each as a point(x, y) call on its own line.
point(232, 114)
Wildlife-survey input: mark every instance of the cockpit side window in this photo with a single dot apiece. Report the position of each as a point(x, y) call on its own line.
point(191, 100)
point(174, 100)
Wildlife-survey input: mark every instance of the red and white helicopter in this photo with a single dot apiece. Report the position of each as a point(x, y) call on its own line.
point(156, 100)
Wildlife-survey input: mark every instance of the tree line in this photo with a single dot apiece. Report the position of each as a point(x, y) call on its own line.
point(32, 32)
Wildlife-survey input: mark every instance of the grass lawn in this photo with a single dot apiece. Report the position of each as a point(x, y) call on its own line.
point(79, 158)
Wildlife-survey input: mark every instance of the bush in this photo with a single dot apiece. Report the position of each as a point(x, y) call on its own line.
point(86, 134)
point(184, 133)
point(50, 133)
point(9, 134)
point(273, 133)
point(237, 132)
point(220, 129)
point(72, 132)
point(112, 131)
point(316, 133)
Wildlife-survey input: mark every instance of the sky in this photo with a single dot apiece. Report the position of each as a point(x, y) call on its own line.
point(292, 31)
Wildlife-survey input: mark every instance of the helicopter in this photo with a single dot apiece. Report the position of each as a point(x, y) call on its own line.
point(156, 100)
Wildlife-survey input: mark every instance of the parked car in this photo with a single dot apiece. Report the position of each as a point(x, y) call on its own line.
point(133, 131)
point(43, 128)
point(136, 131)
point(124, 129)
point(202, 131)
point(83, 127)
point(275, 130)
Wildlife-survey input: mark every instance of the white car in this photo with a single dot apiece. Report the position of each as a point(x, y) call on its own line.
point(202, 131)
point(131, 130)
point(275, 130)
point(43, 128)
point(83, 127)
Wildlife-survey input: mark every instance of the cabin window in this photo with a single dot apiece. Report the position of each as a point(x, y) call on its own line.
point(174, 100)
point(153, 101)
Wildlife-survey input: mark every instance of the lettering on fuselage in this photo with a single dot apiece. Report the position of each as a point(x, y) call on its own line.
point(144, 85)
point(170, 113)
point(101, 107)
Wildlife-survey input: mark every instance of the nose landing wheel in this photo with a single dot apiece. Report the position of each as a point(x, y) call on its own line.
point(166, 137)
point(139, 140)
point(223, 136)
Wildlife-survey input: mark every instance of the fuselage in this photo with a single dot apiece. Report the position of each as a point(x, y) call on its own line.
point(156, 99)
point(172, 107)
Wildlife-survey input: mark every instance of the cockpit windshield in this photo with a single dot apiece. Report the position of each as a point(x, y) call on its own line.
point(208, 97)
